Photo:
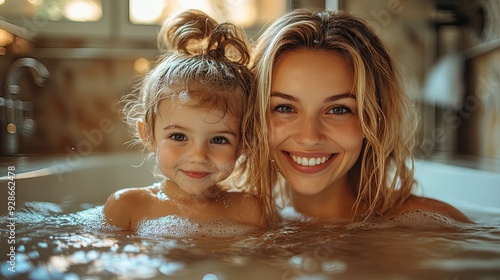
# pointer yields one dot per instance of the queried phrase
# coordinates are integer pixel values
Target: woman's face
(315, 135)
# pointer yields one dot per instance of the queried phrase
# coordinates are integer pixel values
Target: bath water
(53, 244)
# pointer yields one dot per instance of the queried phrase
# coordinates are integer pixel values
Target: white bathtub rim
(62, 165)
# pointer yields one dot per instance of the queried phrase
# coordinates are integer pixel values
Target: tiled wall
(404, 25)
(480, 134)
(78, 110)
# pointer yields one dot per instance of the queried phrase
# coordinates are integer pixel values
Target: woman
(335, 128)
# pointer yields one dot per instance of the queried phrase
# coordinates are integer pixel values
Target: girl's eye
(340, 110)
(220, 140)
(283, 108)
(178, 137)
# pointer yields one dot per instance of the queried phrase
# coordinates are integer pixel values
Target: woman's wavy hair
(200, 56)
(382, 178)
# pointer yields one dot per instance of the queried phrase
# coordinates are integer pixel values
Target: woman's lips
(310, 161)
(309, 164)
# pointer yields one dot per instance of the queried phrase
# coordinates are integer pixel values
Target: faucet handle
(24, 121)
(28, 128)
(13, 89)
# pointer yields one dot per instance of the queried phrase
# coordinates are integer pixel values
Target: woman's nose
(309, 132)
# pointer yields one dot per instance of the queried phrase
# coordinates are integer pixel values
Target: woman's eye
(282, 108)
(178, 137)
(220, 140)
(340, 110)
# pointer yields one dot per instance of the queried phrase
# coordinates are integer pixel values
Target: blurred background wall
(447, 50)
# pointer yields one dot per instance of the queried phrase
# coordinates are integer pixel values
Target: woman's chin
(305, 190)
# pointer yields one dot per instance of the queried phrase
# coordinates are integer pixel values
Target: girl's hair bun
(195, 33)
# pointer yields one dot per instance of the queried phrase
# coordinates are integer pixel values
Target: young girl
(335, 128)
(188, 114)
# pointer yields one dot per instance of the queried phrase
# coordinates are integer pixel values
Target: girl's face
(195, 147)
(315, 135)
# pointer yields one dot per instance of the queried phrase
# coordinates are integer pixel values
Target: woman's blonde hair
(382, 178)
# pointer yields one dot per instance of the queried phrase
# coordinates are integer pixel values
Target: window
(130, 20)
(143, 15)
(245, 12)
(57, 17)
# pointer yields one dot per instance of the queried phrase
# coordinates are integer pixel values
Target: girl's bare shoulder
(434, 205)
(122, 206)
(131, 195)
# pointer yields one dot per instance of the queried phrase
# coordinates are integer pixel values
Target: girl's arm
(119, 207)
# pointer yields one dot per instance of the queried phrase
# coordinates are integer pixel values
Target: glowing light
(6, 38)
(141, 65)
(11, 128)
(81, 10)
(36, 2)
(210, 276)
(243, 12)
(146, 11)
(194, 4)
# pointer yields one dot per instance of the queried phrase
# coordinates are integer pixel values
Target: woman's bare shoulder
(433, 205)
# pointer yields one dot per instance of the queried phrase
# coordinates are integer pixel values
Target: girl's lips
(309, 164)
(196, 174)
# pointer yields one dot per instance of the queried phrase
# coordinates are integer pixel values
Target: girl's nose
(309, 132)
(199, 153)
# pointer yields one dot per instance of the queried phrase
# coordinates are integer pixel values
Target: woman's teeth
(309, 161)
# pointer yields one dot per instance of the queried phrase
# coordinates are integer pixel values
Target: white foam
(119, 193)
(93, 218)
(176, 226)
(34, 212)
(413, 219)
(184, 97)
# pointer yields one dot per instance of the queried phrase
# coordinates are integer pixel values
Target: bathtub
(469, 184)
(74, 179)
(55, 238)
(89, 180)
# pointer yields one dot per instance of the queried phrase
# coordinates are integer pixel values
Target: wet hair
(382, 178)
(201, 57)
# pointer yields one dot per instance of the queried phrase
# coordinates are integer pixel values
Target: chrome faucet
(13, 122)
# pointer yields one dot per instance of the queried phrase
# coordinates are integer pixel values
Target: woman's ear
(146, 140)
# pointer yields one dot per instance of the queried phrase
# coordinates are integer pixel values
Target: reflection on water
(53, 245)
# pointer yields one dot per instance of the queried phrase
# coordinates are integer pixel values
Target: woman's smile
(309, 163)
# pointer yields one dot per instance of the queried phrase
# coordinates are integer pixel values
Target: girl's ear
(146, 141)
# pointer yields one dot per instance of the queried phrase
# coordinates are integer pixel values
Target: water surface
(53, 244)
